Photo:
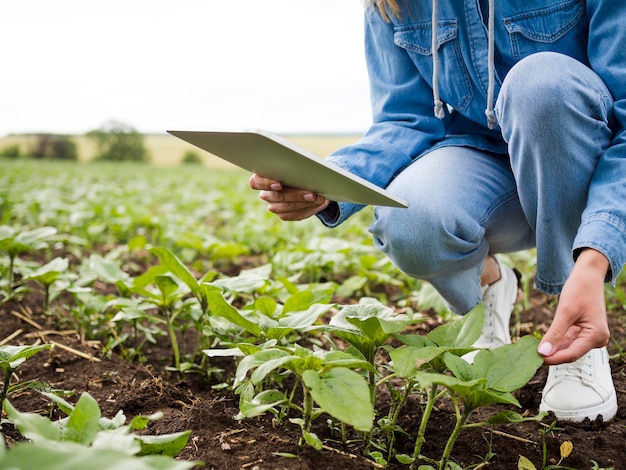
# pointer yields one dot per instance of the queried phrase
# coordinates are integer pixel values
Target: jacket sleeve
(403, 125)
(603, 225)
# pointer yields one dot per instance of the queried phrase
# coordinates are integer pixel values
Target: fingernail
(545, 348)
(309, 197)
(276, 186)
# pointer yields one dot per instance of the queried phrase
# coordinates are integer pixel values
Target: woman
(502, 123)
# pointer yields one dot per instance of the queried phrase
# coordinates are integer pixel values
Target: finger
(552, 339)
(292, 196)
(260, 183)
(298, 211)
(300, 215)
(575, 350)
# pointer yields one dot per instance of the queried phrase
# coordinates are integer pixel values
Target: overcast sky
(68, 66)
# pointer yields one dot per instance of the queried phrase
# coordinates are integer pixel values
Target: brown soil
(222, 442)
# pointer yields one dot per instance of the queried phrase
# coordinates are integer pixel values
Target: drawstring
(439, 112)
(435, 45)
(491, 116)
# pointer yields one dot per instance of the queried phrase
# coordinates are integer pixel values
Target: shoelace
(581, 369)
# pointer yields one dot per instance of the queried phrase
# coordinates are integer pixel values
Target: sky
(287, 66)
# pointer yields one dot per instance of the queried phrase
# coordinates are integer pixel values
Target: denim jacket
(400, 67)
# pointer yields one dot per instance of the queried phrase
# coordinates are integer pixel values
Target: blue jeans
(464, 204)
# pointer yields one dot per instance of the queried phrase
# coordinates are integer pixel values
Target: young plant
(261, 318)
(435, 363)
(15, 243)
(85, 439)
(328, 378)
(47, 275)
(11, 358)
(490, 379)
(144, 326)
(168, 300)
(367, 326)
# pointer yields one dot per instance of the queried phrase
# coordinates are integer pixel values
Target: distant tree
(191, 158)
(54, 146)
(10, 151)
(118, 141)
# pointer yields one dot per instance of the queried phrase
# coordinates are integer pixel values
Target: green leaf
(405, 459)
(303, 300)
(266, 305)
(248, 280)
(219, 307)
(63, 405)
(271, 358)
(49, 272)
(118, 440)
(459, 366)
(407, 360)
(32, 426)
(71, 456)
(302, 319)
(177, 268)
(168, 288)
(140, 422)
(345, 359)
(513, 365)
(461, 333)
(84, 421)
(165, 444)
(105, 269)
(311, 439)
(510, 416)
(343, 394)
(25, 241)
(261, 403)
(524, 464)
(11, 357)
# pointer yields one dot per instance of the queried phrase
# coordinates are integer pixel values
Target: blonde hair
(384, 4)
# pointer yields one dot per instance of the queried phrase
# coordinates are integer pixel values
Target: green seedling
(47, 275)
(367, 327)
(329, 379)
(426, 353)
(11, 358)
(85, 439)
(15, 243)
(488, 380)
(145, 326)
(263, 318)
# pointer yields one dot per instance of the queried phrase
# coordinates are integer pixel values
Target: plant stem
(458, 427)
(46, 302)
(5, 387)
(170, 329)
(11, 276)
(308, 408)
(433, 394)
(394, 418)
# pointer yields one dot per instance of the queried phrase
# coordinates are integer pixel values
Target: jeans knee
(535, 89)
(427, 246)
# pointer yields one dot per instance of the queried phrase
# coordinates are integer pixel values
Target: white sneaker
(498, 301)
(581, 389)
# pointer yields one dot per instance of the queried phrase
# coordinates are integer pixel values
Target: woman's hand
(287, 203)
(580, 322)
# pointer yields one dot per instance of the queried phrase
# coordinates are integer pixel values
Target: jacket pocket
(547, 28)
(454, 80)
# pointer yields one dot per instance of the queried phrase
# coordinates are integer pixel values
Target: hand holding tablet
(273, 157)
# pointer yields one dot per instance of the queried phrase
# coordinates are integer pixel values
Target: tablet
(273, 157)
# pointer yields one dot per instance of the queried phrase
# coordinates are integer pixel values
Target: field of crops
(158, 316)
(165, 150)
